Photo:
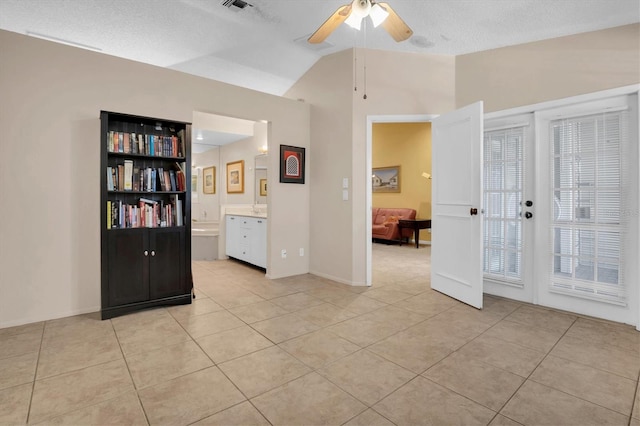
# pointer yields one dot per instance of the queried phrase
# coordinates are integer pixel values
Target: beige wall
(327, 86)
(551, 69)
(49, 165)
(396, 84)
(409, 146)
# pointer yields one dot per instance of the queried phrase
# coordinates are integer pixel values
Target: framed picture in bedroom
(235, 177)
(385, 179)
(291, 164)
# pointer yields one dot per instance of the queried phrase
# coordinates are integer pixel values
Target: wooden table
(416, 225)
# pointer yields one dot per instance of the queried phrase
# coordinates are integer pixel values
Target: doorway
(413, 184)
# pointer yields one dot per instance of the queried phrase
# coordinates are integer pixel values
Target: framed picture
(386, 179)
(235, 177)
(263, 187)
(209, 180)
(196, 175)
(194, 182)
(291, 164)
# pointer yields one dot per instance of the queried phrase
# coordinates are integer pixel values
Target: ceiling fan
(353, 14)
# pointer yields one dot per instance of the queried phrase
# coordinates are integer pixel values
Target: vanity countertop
(249, 214)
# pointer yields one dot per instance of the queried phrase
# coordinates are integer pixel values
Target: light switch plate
(345, 183)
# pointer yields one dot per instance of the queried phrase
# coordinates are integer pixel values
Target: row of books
(155, 145)
(146, 214)
(127, 177)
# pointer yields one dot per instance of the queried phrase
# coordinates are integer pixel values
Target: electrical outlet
(301, 252)
(284, 253)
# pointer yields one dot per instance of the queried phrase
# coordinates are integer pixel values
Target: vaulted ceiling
(263, 45)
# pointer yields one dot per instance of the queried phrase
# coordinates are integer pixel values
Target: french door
(587, 232)
(559, 191)
(559, 187)
(509, 207)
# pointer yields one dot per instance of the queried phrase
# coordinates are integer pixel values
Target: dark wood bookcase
(145, 204)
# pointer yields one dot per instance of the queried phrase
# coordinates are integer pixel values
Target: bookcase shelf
(146, 215)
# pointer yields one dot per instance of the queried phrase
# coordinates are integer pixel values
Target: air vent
(236, 5)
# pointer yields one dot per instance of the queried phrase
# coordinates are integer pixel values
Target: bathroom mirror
(261, 185)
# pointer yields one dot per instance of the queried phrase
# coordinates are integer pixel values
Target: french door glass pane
(587, 199)
(503, 184)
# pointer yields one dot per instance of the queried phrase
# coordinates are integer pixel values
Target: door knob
(146, 253)
(528, 215)
(528, 203)
(473, 211)
(153, 252)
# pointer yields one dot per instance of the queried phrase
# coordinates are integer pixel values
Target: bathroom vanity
(246, 238)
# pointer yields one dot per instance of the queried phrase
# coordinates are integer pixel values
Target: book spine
(109, 179)
(172, 179)
(181, 151)
(109, 214)
(120, 175)
(127, 143)
(152, 150)
(136, 179)
(128, 175)
(110, 141)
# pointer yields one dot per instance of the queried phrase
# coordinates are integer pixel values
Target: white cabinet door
(232, 232)
(259, 243)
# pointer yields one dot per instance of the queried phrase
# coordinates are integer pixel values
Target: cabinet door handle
(146, 253)
(153, 252)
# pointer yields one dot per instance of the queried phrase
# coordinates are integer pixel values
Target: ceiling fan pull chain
(355, 62)
(365, 61)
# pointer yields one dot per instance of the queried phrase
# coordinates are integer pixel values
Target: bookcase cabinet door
(128, 275)
(166, 263)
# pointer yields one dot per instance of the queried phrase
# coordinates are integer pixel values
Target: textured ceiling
(264, 47)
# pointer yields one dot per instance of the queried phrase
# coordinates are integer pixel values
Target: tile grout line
(528, 378)
(220, 369)
(483, 362)
(635, 400)
(135, 387)
(35, 373)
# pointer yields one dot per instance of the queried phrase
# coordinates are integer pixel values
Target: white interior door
(456, 236)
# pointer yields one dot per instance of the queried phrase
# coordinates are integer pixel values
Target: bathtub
(204, 240)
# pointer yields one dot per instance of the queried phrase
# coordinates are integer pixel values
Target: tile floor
(308, 351)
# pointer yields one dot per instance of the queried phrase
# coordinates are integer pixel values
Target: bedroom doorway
(394, 141)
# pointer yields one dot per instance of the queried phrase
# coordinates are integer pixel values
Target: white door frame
(371, 119)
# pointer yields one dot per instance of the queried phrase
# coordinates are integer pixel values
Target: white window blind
(503, 187)
(589, 180)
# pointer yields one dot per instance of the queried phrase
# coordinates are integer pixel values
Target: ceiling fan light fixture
(378, 14)
(354, 21)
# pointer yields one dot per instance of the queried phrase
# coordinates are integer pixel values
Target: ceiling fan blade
(394, 25)
(331, 24)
